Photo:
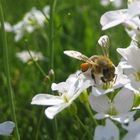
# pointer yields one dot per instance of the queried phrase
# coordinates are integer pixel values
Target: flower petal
(124, 118)
(84, 85)
(60, 87)
(123, 101)
(134, 8)
(6, 128)
(100, 116)
(113, 18)
(107, 132)
(50, 112)
(99, 103)
(47, 99)
(97, 91)
(131, 54)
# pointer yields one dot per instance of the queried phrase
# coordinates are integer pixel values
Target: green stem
(37, 65)
(51, 32)
(91, 114)
(51, 46)
(81, 123)
(39, 123)
(7, 70)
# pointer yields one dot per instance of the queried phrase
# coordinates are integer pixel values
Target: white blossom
(6, 128)
(128, 17)
(131, 55)
(117, 109)
(68, 92)
(115, 3)
(107, 132)
(24, 56)
(31, 21)
(133, 130)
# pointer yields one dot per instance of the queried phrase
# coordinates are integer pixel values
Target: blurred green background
(77, 27)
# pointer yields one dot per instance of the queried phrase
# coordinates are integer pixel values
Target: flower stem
(7, 70)
(51, 46)
(36, 63)
(39, 124)
(91, 114)
(51, 32)
(81, 123)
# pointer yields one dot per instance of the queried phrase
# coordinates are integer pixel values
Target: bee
(99, 64)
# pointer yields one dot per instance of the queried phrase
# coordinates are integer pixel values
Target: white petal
(133, 135)
(100, 104)
(50, 112)
(64, 87)
(134, 8)
(133, 125)
(113, 18)
(123, 101)
(100, 116)
(107, 132)
(60, 87)
(47, 99)
(135, 84)
(6, 128)
(124, 117)
(131, 54)
(97, 91)
(84, 85)
(121, 79)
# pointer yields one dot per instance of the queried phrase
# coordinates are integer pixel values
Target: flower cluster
(113, 89)
(32, 20)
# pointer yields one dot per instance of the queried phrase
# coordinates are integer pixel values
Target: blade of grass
(7, 70)
(51, 47)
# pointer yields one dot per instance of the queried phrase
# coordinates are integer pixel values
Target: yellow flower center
(137, 76)
(130, 1)
(112, 111)
(65, 98)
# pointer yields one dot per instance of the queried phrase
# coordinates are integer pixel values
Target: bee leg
(103, 80)
(93, 77)
(114, 81)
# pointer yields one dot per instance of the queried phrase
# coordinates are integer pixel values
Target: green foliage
(76, 27)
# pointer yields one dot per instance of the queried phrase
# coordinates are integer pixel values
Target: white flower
(8, 27)
(119, 81)
(133, 130)
(132, 27)
(117, 109)
(113, 18)
(68, 90)
(115, 3)
(6, 128)
(24, 56)
(131, 55)
(107, 132)
(31, 21)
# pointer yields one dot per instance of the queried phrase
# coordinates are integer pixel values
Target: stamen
(65, 98)
(112, 111)
(137, 76)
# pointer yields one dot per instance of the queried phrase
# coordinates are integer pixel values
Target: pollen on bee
(85, 66)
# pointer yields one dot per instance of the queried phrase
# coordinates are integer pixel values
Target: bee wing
(78, 55)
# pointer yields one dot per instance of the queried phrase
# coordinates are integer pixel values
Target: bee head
(108, 73)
